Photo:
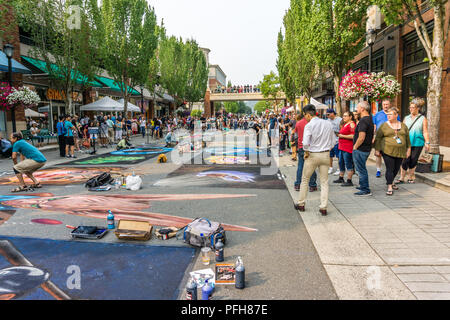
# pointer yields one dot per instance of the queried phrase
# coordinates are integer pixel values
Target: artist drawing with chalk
(32, 160)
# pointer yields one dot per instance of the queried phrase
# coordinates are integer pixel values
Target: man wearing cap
(336, 123)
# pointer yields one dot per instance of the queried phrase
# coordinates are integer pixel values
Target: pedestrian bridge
(243, 96)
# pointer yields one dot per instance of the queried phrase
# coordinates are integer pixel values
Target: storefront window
(414, 85)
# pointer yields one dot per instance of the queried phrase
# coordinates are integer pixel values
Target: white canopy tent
(130, 107)
(104, 104)
(33, 114)
(318, 105)
(44, 108)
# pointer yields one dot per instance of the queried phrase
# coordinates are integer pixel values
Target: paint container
(219, 251)
(207, 290)
(240, 274)
(110, 220)
(206, 255)
(191, 290)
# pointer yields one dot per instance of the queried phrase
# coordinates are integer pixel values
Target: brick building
(398, 51)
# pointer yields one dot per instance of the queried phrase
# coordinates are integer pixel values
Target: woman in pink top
(346, 148)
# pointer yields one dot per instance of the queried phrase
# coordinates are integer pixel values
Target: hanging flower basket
(5, 91)
(24, 97)
(356, 84)
(385, 86)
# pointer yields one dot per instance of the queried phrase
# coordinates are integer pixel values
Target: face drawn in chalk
(227, 160)
(230, 176)
(6, 211)
(61, 176)
(110, 159)
(123, 206)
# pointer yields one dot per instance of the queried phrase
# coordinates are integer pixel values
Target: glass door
(414, 85)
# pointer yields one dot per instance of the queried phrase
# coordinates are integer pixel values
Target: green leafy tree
(335, 34)
(297, 60)
(270, 88)
(231, 107)
(405, 11)
(63, 36)
(197, 73)
(287, 82)
(129, 40)
(261, 106)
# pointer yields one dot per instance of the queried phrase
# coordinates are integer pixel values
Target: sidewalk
(381, 247)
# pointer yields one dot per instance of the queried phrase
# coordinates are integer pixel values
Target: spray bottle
(240, 274)
(110, 220)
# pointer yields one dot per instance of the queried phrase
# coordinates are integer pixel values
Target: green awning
(113, 84)
(80, 78)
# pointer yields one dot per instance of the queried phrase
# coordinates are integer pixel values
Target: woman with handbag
(393, 144)
(418, 134)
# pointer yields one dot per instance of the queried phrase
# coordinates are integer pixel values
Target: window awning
(16, 66)
(78, 76)
(113, 85)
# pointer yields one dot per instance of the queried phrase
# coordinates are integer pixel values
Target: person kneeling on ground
(32, 160)
(124, 143)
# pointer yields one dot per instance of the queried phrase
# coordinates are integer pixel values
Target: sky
(241, 34)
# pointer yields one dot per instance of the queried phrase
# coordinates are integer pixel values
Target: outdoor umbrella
(104, 104)
(130, 107)
(318, 105)
(33, 114)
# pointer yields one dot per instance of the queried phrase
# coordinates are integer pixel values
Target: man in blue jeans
(299, 129)
(362, 145)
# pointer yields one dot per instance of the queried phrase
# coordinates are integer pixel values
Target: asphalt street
(280, 258)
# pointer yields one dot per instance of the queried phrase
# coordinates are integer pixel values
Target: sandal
(394, 187)
(390, 192)
(36, 186)
(20, 189)
(399, 181)
(411, 181)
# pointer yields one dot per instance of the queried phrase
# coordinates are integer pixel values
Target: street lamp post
(370, 37)
(8, 49)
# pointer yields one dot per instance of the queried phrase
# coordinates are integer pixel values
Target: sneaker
(73, 156)
(330, 171)
(363, 193)
(378, 174)
(337, 173)
(347, 184)
(340, 180)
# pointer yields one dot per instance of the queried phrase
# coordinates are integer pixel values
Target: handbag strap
(419, 116)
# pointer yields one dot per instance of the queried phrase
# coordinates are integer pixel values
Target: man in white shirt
(318, 139)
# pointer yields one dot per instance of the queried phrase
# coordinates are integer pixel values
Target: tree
(297, 61)
(62, 32)
(231, 107)
(197, 73)
(129, 40)
(261, 106)
(287, 83)
(173, 67)
(335, 35)
(406, 11)
(270, 87)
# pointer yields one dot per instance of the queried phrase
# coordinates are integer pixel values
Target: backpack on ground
(202, 232)
(100, 180)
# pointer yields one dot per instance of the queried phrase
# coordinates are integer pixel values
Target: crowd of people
(310, 140)
(237, 89)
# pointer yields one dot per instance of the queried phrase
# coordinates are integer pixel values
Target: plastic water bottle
(207, 291)
(219, 251)
(240, 274)
(191, 290)
(110, 220)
